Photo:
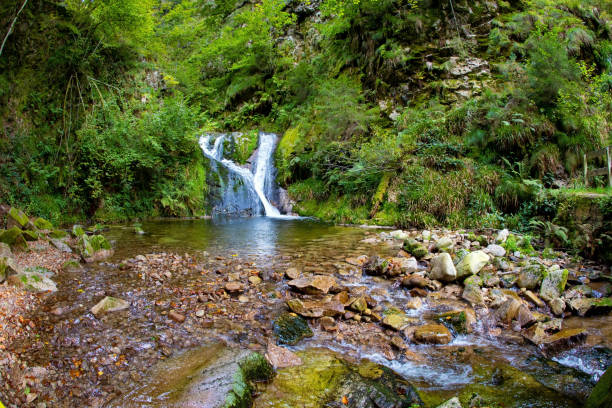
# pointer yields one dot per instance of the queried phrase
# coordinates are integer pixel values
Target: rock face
(325, 379)
(290, 328)
(471, 264)
(314, 285)
(213, 376)
(553, 284)
(109, 304)
(442, 268)
(433, 334)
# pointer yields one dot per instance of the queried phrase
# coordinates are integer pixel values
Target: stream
(93, 361)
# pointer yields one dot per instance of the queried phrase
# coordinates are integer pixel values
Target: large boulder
(212, 376)
(314, 285)
(16, 218)
(553, 283)
(43, 224)
(442, 268)
(94, 248)
(13, 237)
(471, 264)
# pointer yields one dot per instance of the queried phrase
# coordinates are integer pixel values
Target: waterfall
(251, 194)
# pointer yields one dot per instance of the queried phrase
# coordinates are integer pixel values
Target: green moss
(43, 224)
(256, 368)
(455, 321)
(290, 328)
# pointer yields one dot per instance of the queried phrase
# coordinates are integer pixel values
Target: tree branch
(12, 25)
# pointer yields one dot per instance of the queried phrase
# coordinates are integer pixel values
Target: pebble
(199, 313)
(176, 316)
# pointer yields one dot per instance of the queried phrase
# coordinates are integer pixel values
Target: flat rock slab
(33, 281)
(198, 378)
(317, 284)
(280, 357)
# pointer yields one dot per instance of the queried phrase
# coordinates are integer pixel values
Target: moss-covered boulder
(78, 231)
(58, 234)
(94, 248)
(13, 237)
(456, 321)
(43, 224)
(31, 235)
(290, 328)
(16, 218)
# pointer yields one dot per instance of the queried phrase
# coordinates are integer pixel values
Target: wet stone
(433, 334)
(290, 328)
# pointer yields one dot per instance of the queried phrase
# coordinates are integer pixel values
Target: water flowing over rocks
(418, 327)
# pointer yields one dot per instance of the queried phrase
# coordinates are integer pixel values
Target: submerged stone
(316, 308)
(290, 328)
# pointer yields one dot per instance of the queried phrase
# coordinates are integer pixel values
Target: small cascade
(243, 190)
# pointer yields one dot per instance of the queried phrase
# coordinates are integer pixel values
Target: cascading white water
(263, 162)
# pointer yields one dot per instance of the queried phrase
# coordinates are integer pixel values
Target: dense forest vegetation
(398, 112)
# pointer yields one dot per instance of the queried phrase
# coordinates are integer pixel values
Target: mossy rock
(71, 265)
(99, 242)
(326, 380)
(58, 234)
(13, 237)
(17, 218)
(415, 248)
(78, 231)
(43, 224)
(290, 328)
(30, 235)
(455, 321)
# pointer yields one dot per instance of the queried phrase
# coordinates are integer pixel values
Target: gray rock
(33, 281)
(530, 276)
(61, 245)
(502, 236)
(445, 244)
(554, 283)
(557, 305)
(442, 268)
(495, 250)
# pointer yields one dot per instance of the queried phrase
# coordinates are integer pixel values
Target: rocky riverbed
(361, 317)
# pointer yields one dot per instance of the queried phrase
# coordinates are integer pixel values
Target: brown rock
(398, 342)
(176, 316)
(318, 284)
(280, 357)
(508, 310)
(433, 334)
(524, 316)
(534, 298)
(414, 281)
(316, 308)
(359, 261)
(234, 287)
(561, 341)
(293, 273)
(328, 323)
(418, 292)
